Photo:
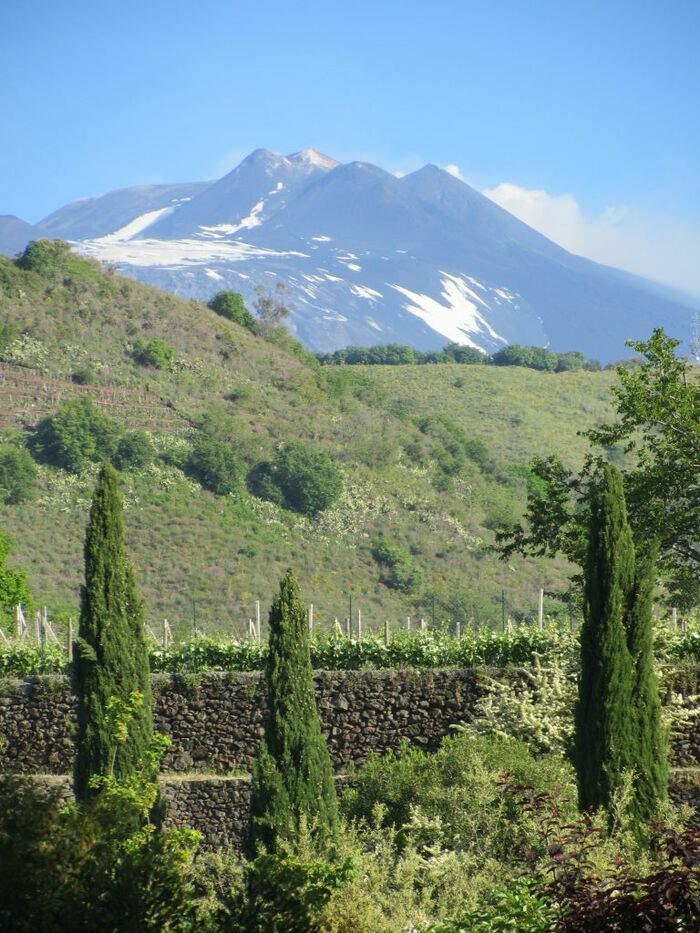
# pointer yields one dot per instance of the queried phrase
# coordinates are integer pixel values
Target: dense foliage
(135, 451)
(111, 659)
(657, 427)
(17, 474)
(299, 477)
(396, 354)
(605, 739)
(78, 434)
(293, 790)
(153, 352)
(214, 464)
(232, 306)
(45, 257)
(398, 569)
(618, 715)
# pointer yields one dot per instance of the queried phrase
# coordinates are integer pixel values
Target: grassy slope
(225, 553)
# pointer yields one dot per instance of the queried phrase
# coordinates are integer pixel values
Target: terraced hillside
(205, 558)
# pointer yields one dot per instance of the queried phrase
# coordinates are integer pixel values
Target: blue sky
(582, 118)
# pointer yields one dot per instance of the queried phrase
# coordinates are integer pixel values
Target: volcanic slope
(205, 559)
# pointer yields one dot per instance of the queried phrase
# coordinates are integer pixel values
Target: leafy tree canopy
(299, 477)
(135, 450)
(45, 257)
(77, 434)
(154, 352)
(657, 427)
(232, 306)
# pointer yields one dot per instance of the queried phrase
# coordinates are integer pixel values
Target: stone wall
(214, 720)
(216, 806)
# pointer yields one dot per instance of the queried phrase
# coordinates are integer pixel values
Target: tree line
(396, 354)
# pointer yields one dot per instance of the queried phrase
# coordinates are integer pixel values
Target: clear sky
(583, 118)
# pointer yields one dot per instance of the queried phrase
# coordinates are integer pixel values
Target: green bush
(522, 905)
(76, 435)
(135, 450)
(214, 464)
(154, 352)
(232, 306)
(288, 892)
(303, 479)
(398, 568)
(456, 793)
(99, 866)
(45, 257)
(17, 474)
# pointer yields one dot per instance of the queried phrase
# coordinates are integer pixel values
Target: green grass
(199, 555)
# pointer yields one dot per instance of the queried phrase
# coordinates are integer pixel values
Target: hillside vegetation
(432, 458)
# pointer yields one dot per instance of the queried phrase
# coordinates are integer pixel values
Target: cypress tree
(651, 777)
(292, 781)
(111, 657)
(605, 724)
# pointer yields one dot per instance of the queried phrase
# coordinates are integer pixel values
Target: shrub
(154, 352)
(539, 710)
(17, 475)
(135, 450)
(571, 361)
(76, 435)
(214, 464)
(232, 306)
(457, 790)
(627, 898)
(522, 905)
(305, 480)
(398, 569)
(100, 864)
(289, 893)
(44, 257)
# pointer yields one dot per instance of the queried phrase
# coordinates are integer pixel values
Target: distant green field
(206, 559)
(519, 413)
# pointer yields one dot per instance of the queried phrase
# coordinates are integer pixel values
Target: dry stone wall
(214, 722)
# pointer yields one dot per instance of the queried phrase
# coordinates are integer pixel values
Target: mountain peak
(313, 157)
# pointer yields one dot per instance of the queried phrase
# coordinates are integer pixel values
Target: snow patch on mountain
(457, 319)
(138, 224)
(178, 253)
(363, 291)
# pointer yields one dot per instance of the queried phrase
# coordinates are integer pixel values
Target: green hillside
(433, 459)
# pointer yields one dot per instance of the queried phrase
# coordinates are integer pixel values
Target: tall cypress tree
(651, 770)
(605, 725)
(111, 657)
(292, 775)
